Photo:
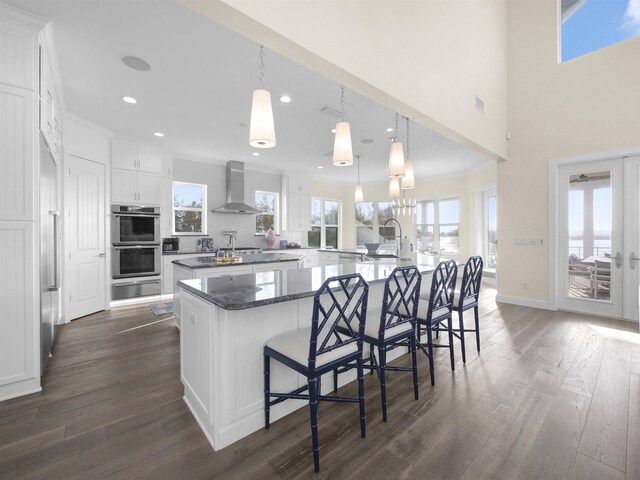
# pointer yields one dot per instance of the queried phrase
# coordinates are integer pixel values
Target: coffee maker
(171, 244)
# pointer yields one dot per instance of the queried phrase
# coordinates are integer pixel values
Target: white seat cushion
(295, 345)
(456, 300)
(372, 326)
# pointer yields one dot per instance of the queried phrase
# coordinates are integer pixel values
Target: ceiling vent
(332, 112)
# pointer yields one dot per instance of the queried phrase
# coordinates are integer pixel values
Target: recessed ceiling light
(136, 63)
(320, 167)
(333, 130)
(158, 134)
(285, 99)
(129, 99)
(389, 129)
(256, 154)
(367, 140)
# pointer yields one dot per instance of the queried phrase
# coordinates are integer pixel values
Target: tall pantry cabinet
(20, 37)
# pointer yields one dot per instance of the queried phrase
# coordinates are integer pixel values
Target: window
(189, 209)
(595, 24)
(267, 203)
(437, 225)
(325, 223)
(370, 218)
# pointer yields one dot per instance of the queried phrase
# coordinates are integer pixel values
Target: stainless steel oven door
(135, 229)
(135, 261)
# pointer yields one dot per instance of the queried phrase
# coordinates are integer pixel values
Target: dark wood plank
(586, 468)
(605, 433)
(553, 451)
(633, 436)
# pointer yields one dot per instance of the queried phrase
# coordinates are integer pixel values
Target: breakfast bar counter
(225, 324)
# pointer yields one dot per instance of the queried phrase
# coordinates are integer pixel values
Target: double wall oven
(136, 250)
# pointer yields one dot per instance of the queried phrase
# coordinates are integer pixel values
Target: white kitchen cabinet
(124, 186)
(149, 188)
(50, 113)
(275, 267)
(135, 174)
(166, 207)
(296, 202)
(19, 209)
(167, 166)
(328, 258)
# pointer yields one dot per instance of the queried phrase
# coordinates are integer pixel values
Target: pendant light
(394, 187)
(342, 149)
(396, 156)
(359, 197)
(408, 181)
(262, 133)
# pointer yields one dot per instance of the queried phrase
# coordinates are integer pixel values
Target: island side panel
(179, 274)
(196, 352)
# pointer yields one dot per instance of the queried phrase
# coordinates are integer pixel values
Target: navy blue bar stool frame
(439, 310)
(467, 299)
(399, 308)
(325, 337)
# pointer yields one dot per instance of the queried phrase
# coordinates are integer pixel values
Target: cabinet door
(166, 207)
(149, 188)
(149, 160)
(167, 166)
(305, 212)
(124, 155)
(124, 186)
(167, 275)
(293, 211)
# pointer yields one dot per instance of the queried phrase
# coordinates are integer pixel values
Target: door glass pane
(590, 229)
(492, 242)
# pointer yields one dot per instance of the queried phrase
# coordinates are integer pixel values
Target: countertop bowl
(372, 248)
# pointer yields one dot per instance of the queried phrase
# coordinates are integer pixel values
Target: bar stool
(467, 298)
(322, 348)
(440, 301)
(397, 325)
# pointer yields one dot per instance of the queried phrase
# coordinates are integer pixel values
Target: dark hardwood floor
(552, 395)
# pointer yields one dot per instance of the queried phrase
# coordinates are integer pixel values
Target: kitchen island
(226, 322)
(200, 267)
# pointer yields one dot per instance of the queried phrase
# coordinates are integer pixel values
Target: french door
(598, 237)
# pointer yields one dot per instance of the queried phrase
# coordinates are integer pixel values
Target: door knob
(632, 260)
(102, 255)
(618, 259)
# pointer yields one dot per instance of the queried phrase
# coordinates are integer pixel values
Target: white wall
(556, 110)
(425, 59)
(214, 176)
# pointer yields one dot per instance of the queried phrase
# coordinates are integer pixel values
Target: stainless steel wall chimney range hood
(235, 191)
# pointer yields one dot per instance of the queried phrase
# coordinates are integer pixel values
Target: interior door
(85, 237)
(598, 213)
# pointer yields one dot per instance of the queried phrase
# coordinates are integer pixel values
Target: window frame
(485, 228)
(323, 224)
(202, 210)
(437, 225)
(276, 212)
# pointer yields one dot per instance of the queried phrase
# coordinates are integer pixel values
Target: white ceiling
(198, 92)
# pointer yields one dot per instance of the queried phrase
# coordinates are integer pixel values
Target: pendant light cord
(407, 138)
(342, 101)
(261, 66)
(358, 157)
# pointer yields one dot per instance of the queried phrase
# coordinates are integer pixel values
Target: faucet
(398, 243)
(232, 240)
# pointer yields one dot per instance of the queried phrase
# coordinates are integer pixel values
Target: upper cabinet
(50, 111)
(136, 174)
(296, 201)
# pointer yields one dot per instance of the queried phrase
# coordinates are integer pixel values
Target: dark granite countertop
(247, 259)
(238, 292)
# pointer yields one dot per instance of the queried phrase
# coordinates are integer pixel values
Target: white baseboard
(20, 389)
(525, 302)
